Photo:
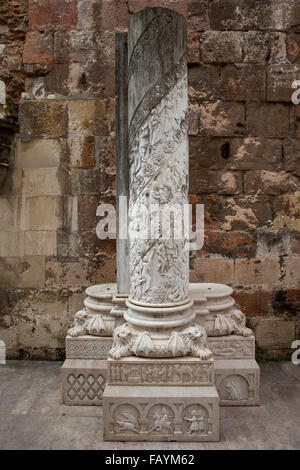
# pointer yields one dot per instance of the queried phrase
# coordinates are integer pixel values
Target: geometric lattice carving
(83, 381)
(85, 387)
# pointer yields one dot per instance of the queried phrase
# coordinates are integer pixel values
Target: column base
(83, 381)
(84, 371)
(160, 400)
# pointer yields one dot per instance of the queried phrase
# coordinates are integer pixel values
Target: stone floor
(33, 417)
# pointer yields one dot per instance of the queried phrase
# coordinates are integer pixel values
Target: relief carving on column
(158, 169)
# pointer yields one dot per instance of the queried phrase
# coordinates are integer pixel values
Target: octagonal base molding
(215, 310)
(95, 318)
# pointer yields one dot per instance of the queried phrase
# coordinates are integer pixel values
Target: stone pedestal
(161, 400)
(87, 346)
(231, 342)
(83, 381)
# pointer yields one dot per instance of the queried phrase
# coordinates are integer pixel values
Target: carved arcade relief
(161, 419)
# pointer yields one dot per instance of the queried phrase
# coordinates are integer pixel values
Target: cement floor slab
(33, 416)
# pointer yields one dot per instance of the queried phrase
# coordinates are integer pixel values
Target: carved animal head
(238, 316)
(81, 317)
(122, 335)
(194, 333)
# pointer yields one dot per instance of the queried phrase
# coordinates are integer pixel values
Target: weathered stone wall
(244, 163)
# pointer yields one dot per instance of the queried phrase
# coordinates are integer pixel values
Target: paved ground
(33, 417)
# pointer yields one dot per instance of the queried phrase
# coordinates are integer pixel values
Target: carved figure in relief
(184, 372)
(162, 421)
(191, 340)
(235, 388)
(232, 323)
(197, 422)
(201, 373)
(196, 338)
(233, 392)
(127, 421)
(88, 324)
(123, 342)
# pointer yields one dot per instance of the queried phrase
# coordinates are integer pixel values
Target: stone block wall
(244, 161)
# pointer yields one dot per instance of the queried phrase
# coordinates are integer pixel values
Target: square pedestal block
(232, 347)
(156, 413)
(237, 381)
(88, 347)
(83, 381)
(177, 371)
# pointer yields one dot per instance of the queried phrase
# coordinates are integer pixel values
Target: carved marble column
(159, 315)
(155, 390)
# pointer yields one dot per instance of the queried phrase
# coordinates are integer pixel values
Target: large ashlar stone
(38, 153)
(83, 381)
(43, 212)
(45, 181)
(237, 381)
(160, 413)
(87, 344)
(28, 271)
(40, 243)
